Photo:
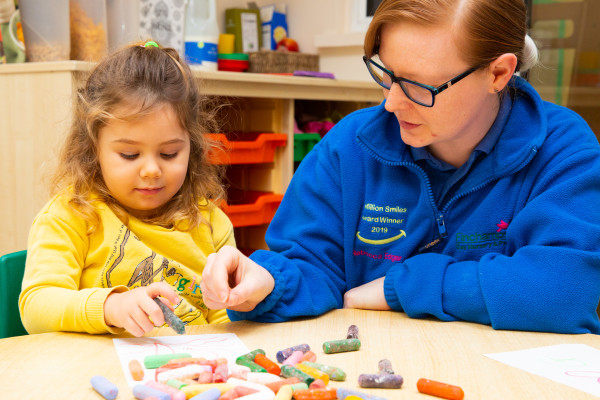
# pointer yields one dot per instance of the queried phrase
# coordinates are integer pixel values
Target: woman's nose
(396, 99)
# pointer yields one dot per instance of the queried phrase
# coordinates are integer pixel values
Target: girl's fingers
(141, 319)
(162, 289)
(132, 327)
(153, 311)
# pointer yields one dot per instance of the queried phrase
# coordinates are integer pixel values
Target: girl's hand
(135, 310)
(231, 280)
(368, 296)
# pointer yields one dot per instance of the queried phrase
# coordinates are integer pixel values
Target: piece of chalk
(335, 374)
(136, 370)
(142, 392)
(383, 381)
(340, 346)
(282, 355)
(343, 394)
(315, 394)
(352, 332)
(385, 366)
(106, 388)
(210, 394)
(158, 360)
(288, 371)
(175, 394)
(440, 389)
(171, 319)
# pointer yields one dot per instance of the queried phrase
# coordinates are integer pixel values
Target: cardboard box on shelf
(274, 25)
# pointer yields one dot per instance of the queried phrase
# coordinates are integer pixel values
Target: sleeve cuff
(94, 309)
(389, 290)
(269, 302)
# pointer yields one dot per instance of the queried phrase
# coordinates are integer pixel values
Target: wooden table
(60, 365)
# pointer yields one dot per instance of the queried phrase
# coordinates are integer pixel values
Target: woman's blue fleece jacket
(516, 247)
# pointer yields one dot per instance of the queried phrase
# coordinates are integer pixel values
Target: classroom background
(287, 71)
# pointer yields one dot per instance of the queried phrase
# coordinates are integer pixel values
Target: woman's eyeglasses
(418, 92)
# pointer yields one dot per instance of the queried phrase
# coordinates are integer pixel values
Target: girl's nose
(396, 99)
(150, 169)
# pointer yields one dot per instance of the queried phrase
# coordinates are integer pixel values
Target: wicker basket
(282, 62)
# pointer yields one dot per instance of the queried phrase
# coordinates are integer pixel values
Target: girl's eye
(168, 156)
(128, 156)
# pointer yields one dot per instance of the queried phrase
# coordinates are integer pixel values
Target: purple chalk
(315, 74)
(142, 392)
(383, 381)
(352, 332)
(106, 388)
(385, 366)
(282, 355)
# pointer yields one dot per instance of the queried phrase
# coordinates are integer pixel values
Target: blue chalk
(210, 394)
(106, 388)
(142, 391)
(282, 355)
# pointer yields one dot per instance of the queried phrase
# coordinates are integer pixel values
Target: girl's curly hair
(126, 85)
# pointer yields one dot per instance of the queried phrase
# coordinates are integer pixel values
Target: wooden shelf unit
(35, 114)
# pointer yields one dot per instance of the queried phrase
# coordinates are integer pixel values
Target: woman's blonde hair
(128, 84)
(488, 28)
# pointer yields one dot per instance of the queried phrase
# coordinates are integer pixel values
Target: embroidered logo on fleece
(502, 225)
(486, 240)
(381, 223)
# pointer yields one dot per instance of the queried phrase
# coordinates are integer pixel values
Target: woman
(462, 196)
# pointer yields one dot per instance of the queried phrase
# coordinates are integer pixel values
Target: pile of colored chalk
(253, 377)
(256, 377)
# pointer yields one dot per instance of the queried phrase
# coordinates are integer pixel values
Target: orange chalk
(136, 370)
(275, 386)
(315, 394)
(267, 364)
(440, 389)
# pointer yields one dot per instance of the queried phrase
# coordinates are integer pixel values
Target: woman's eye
(168, 156)
(128, 156)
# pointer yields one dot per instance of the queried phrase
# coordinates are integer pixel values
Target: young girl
(133, 216)
(462, 196)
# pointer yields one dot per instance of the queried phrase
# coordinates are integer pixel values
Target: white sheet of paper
(210, 346)
(576, 365)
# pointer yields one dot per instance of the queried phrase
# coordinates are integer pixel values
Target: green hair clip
(151, 43)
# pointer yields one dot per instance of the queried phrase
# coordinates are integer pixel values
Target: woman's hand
(135, 310)
(368, 296)
(232, 280)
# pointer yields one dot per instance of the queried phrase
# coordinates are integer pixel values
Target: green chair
(12, 267)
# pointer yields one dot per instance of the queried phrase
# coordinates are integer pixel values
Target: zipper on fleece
(439, 217)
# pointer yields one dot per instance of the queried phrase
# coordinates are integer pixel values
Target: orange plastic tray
(248, 208)
(259, 149)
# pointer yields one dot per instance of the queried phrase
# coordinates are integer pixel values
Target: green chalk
(289, 371)
(340, 346)
(158, 360)
(176, 383)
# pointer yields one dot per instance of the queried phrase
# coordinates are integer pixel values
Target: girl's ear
(501, 70)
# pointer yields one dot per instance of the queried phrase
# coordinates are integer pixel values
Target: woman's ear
(501, 70)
